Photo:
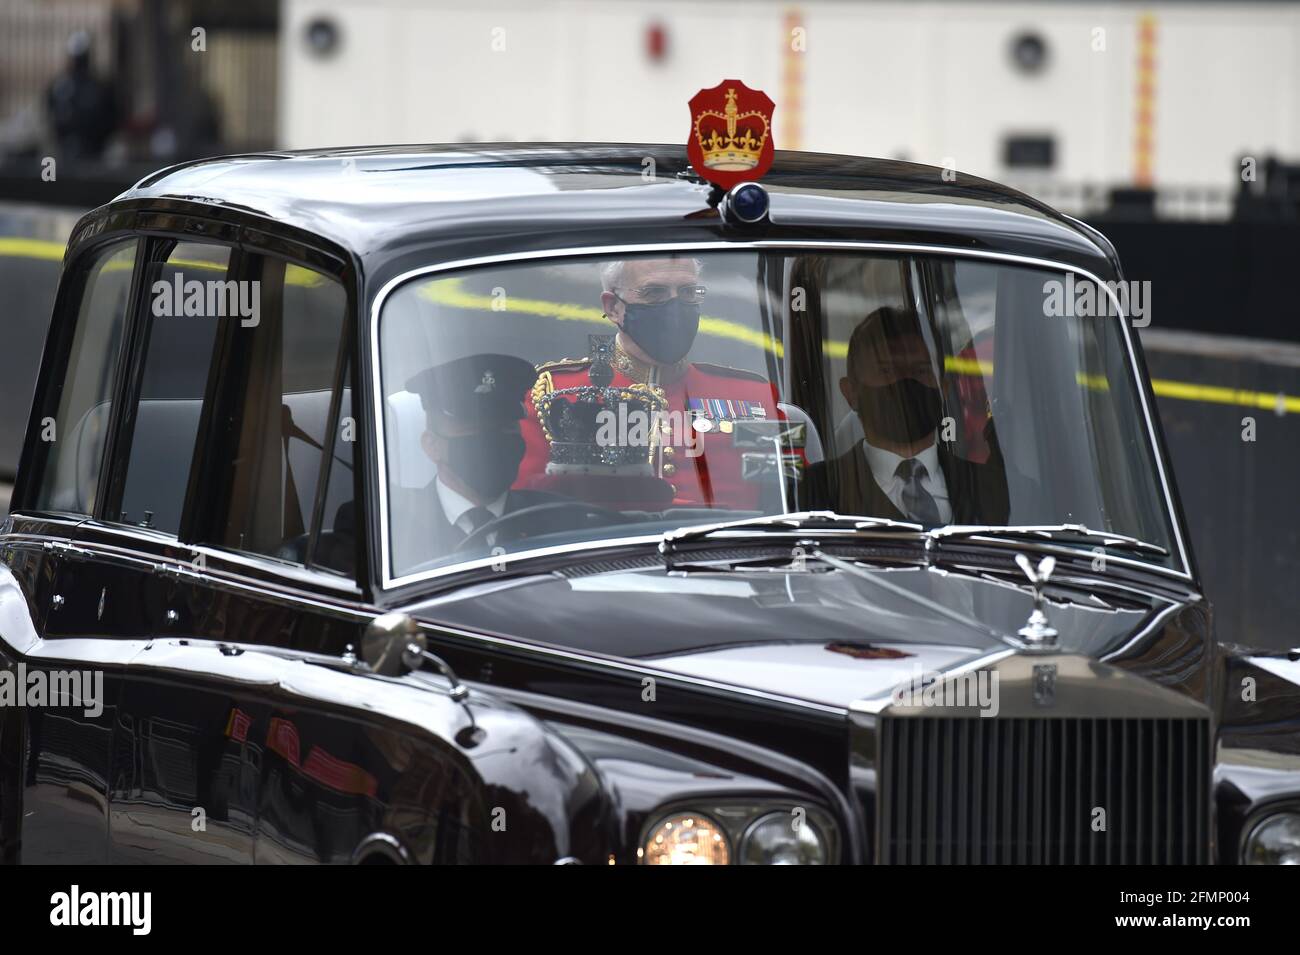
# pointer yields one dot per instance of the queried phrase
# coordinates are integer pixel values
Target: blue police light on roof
(746, 203)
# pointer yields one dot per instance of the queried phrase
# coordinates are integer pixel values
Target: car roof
(400, 204)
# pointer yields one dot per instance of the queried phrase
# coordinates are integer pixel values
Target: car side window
(187, 297)
(75, 437)
(285, 377)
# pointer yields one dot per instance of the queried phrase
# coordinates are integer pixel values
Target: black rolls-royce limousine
(547, 504)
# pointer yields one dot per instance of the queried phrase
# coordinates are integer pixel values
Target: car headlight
(1275, 840)
(687, 838)
(740, 833)
(782, 838)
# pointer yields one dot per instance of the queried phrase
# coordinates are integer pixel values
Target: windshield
(567, 401)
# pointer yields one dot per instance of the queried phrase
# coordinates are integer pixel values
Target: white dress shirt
(456, 506)
(884, 467)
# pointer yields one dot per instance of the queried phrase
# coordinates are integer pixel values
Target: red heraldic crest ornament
(731, 133)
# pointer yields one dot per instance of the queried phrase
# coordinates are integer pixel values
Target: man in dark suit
(903, 469)
(472, 409)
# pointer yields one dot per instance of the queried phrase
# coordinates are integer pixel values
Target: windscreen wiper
(1050, 533)
(759, 528)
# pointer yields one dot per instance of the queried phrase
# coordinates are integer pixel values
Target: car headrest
(408, 465)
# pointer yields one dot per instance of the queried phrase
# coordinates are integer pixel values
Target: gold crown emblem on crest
(731, 140)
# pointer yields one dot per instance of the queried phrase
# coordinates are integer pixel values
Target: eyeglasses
(658, 294)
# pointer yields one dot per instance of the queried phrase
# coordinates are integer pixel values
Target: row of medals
(704, 424)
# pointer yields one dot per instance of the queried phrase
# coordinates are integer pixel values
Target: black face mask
(488, 463)
(903, 411)
(665, 332)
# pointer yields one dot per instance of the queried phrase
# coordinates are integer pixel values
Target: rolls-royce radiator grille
(1043, 791)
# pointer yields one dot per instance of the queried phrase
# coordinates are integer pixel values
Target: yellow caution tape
(32, 249)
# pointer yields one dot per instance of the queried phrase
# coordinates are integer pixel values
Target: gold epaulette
(729, 372)
(563, 364)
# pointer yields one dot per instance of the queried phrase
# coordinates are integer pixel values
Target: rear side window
(187, 297)
(75, 436)
(242, 386)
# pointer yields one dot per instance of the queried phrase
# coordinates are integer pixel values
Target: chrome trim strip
(1142, 389)
(280, 572)
(388, 581)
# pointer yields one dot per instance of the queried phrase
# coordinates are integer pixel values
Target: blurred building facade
(176, 93)
(1064, 98)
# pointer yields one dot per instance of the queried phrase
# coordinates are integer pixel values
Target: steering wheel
(526, 519)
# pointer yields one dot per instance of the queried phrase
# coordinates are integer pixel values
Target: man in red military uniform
(654, 306)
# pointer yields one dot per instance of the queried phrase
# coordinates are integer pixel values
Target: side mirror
(393, 644)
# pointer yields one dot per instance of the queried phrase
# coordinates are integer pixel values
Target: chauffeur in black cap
(472, 409)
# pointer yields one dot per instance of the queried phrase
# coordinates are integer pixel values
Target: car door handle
(67, 550)
(177, 572)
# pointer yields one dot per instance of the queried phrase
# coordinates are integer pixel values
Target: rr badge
(1045, 684)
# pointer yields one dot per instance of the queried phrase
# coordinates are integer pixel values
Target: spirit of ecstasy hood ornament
(1038, 633)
